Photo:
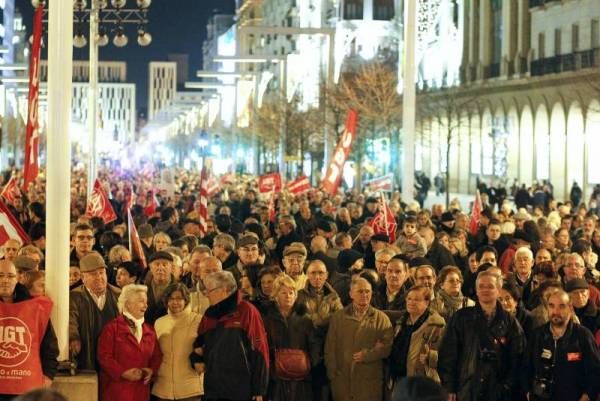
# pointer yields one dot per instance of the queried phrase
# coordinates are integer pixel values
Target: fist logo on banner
(15, 342)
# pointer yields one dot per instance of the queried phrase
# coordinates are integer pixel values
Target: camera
(543, 384)
(487, 355)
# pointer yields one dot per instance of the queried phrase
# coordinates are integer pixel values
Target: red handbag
(292, 364)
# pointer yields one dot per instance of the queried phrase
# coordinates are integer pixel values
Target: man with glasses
(17, 306)
(294, 257)
(575, 268)
(248, 254)
(231, 348)
(83, 240)
(382, 258)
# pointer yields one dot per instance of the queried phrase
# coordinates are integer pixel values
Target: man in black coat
(562, 361)
(481, 351)
(437, 254)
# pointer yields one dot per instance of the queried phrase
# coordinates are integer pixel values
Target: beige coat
(176, 334)
(357, 381)
(430, 333)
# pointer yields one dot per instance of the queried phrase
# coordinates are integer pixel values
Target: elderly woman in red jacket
(128, 351)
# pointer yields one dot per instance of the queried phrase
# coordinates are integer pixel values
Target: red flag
(135, 245)
(99, 205)
(334, 172)
(272, 206)
(383, 183)
(475, 214)
(203, 201)
(10, 227)
(384, 221)
(269, 182)
(31, 168)
(129, 201)
(151, 205)
(299, 186)
(11, 191)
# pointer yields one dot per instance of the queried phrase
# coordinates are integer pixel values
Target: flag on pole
(269, 182)
(151, 205)
(383, 183)
(135, 244)
(299, 186)
(99, 205)
(384, 221)
(475, 215)
(203, 201)
(10, 227)
(11, 191)
(30, 165)
(332, 179)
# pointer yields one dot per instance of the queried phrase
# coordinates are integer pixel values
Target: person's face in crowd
(543, 255)
(11, 247)
(493, 232)
(416, 303)
(519, 223)
(559, 309)
(596, 238)
(487, 290)
(286, 297)
(488, 257)
(573, 268)
(248, 254)
(266, 284)
(523, 264)
(195, 260)
(160, 242)
(208, 266)
(317, 275)
(452, 284)
(444, 240)
(210, 226)
(176, 302)
(361, 294)
(285, 228)
(294, 264)
(455, 245)
(579, 298)
(120, 229)
(137, 305)
(396, 274)
(409, 229)
(95, 281)
(343, 214)
(74, 274)
(184, 250)
(161, 270)
(215, 294)
(124, 278)
(426, 277)
(356, 212)
(381, 264)
(422, 220)
(473, 264)
(218, 250)
(305, 211)
(507, 302)
(365, 234)
(246, 287)
(347, 242)
(588, 227)
(84, 241)
(38, 287)
(8, 278)
(562, 238)
(191, 229)
(548, 242)
(378, 245)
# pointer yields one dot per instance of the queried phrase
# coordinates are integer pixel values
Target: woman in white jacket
(176, 332)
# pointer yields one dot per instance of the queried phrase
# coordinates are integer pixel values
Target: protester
(128, 352)
(450, 298)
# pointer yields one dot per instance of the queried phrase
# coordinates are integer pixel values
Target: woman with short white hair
(128, 351)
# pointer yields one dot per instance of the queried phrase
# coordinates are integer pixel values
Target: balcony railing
(539, 3)
(566, 62)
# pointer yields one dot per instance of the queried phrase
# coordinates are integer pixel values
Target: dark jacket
(49, 346)
(439, 256)
(233, 339)
(86, 322)
(331, 264)
(574, 356)
(284, 241)
(156, 306)
(589, 316)
(479, 360)
(230, 261)
(297, 332)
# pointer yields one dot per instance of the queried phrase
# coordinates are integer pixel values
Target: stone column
(58, 166)
(485, 42)
(409, 100)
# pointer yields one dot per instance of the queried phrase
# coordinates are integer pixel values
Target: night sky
(177, 26)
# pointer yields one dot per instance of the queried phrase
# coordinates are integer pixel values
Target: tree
(446, 106)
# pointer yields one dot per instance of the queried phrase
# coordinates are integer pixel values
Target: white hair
(128, 292)
(524, 251)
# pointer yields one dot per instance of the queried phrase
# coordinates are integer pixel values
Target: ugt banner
(269, 182)
(334, 173)
(22, 328)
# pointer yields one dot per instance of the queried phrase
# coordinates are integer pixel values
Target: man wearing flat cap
(294, 257)
(91, 306)
(157, 281)
(24, 265)
(587, 313)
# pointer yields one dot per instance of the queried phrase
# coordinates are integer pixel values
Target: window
(497, 31)
(595, 34)
(557, 42)
(353, 9)
(574, 38)
(383, 10)
(541, 46)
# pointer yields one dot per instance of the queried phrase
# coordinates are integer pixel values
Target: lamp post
(409, 100)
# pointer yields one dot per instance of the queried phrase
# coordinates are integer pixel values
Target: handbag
(292, 363)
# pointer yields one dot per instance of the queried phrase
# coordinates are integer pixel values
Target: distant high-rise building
(183, 66)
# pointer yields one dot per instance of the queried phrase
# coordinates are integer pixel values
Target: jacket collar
(225, 307)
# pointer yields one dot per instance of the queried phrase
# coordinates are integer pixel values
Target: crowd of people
(303, 298)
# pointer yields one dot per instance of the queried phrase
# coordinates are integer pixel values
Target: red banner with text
(333, 177)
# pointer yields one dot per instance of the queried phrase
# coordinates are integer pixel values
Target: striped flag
(10, 227)
(135, 245)
(11, 191)
(203, 201)
(299, 186)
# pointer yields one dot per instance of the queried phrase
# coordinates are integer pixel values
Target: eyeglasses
(212, 290)
(85, 237)
(297, 259)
